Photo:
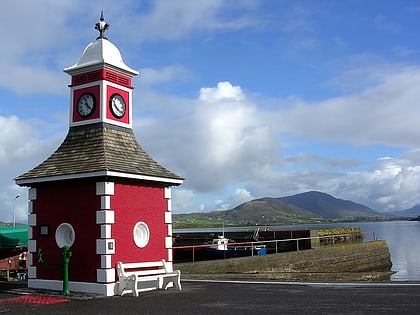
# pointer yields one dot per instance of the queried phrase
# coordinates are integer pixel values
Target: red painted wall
(75, 203)
(133, 204)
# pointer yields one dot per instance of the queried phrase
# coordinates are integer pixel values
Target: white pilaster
(105, 217)
(104, 188)
(168, 217)
(105, 275)
(105, 246)
(32, 195)
(168, 193)
(32, 272)
(106, 261)
(32, 219)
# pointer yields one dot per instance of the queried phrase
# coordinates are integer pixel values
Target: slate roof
(98, 147)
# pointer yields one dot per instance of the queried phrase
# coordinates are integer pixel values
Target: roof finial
(101, 26)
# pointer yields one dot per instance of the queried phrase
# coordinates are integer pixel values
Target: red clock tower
(99, 193)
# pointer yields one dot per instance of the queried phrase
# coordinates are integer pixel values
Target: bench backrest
(141, 269)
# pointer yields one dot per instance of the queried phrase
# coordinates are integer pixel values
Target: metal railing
(330, 240)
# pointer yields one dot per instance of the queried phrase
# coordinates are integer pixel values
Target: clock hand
(89, 104)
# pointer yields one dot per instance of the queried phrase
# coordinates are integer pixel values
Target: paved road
(242, 298)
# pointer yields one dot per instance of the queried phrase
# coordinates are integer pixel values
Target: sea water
(402, 237)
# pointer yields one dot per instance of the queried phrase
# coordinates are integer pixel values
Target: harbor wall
(363, 261)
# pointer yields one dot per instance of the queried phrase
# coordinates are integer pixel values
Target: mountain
(413, 211)
(307, 206)
(258, 211)
(267, 207)
(325, 205)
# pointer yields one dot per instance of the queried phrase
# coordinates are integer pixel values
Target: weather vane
(101, 26)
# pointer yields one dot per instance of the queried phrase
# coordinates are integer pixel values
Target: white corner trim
(32, 193)
(168, 217)
(105, 246)
(170, 256)
(105, 275)
(106, 261)
(170, 230)
(105, 188)
(170, 266)
(32, 272)
(32, 219)
(105, 202)
(32, 246)
(168, 192)
(105, 217)
(30, 206)
(30, 232)
(30, 259)
(169, 204)
(168, 242)
(106, 231)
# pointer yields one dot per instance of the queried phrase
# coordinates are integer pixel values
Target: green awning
(13, 236)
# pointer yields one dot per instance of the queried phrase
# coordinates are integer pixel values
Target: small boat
(221, 248)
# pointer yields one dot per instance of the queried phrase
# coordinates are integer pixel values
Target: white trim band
(98, 174)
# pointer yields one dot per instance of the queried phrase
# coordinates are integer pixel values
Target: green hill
(310, 207)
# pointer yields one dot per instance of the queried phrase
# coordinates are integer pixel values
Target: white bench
(144, 276)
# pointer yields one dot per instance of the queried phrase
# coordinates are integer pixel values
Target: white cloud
(151, 76)
(223, 138)
(384, 114)
(223, 91)
(20, 150)
(44, 37)
(182, 199)
(237, 197)
(170, 20)
(227, 141)
(41, 38)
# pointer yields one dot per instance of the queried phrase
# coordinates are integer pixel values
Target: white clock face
(117, 105)
(86, 104)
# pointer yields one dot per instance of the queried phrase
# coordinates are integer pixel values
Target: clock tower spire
(101, 26)
(100, 89)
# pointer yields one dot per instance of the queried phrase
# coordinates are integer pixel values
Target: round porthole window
(141, 234)
(64, 235)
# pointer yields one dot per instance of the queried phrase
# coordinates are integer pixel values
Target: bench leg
(134, 289)
(165, 281)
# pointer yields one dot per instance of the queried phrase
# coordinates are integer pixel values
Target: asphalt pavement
(228, 297)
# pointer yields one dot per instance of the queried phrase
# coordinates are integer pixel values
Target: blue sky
(245, 99)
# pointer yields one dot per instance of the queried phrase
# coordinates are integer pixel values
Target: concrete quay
(348, 262)
(235, 297)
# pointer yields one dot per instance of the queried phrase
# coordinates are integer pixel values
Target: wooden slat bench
(144, 276)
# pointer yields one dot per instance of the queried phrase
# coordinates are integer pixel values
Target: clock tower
(101, 89)
(99, 193)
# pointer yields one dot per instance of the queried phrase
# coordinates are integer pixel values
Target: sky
(244, 99)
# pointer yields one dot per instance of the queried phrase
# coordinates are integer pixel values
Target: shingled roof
(99, 149)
